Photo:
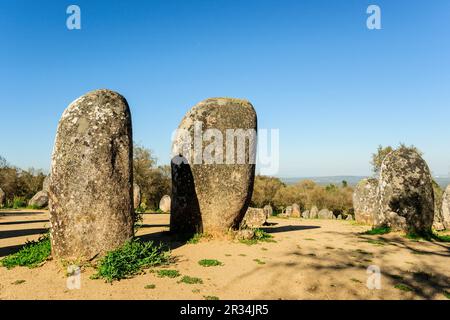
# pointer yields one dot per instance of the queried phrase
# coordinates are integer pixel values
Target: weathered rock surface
(296, 212)
(254, 218)
(39, 200)
(325, 214)
(136, 195)
(212, 185)
(164, 203)
(405, 193)
(349, 217)
(244, 234)
(314, 213)
(445, 208)
(288, 211)
(46, 183)
(268, 210)
(91, 181)
(339, 217)
(2, 198)
(365, 201)
(305, 214)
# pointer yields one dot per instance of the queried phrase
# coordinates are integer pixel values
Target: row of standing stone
(90, 189)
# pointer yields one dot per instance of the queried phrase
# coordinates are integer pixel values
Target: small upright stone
(365, 201)
(2, 198)
(314, 213)
(164, 203)
(268, 210)
(136, 196)
(288, 211)
(445, 208)
(254, 218)
(305, 214)
(213, 168)
(296, 213)
(91, 181)
(405, 192)
(39, 200)
(325, 214)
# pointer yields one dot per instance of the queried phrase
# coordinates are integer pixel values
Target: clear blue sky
(311, 68)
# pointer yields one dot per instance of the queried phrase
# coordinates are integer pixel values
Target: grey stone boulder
(325, 214)
(244, 234)
(288, 211)
(349, 217)
(314, 213)
(305, 214)
(46, 183)
(91, 180)
(212, 182)
(136, 195)
(405, 193)
(164, 203)
(254, 218)
(296, 212)
(365, 201)
(445, 208)
(268, 210)
(339, 217)
(39, 200)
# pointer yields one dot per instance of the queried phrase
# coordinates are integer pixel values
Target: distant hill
(351, 180)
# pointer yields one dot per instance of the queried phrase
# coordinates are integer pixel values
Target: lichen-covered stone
(438, 220)
(46, 183)
(288, 211)
(405, 198)
(268, 210)
(365, 201)
(305, 214)
(445, 208)
(212, 194)
(91, 181)
(2, 198)
(164, 203)
(254, 218)
(296, 213)
(39, 200)
(325, 214)
(136, 195)
(314, 213)
(244, 234)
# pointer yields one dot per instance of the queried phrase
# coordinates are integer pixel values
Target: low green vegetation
(403, 287)
(210, 263)
(197, 237)
(260, 236)
(428, 236)
(150, 286)
(31, 255)
(211, 298)
(190, 280)
(355, 280)
(379, 230)
(446, 294)
(165, 273)
(130, 259)
(259, 261)
(17, 282)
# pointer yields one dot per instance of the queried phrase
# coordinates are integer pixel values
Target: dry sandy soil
(311, 259)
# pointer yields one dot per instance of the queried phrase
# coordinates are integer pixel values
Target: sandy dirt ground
(311, 259)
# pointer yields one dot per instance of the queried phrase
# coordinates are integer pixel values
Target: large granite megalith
(405, 197)
(91, 181)
(213, 168)
(365, 201)
(445, 208)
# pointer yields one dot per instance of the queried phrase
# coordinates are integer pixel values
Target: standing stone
(2, 198)
(325, 214)
(445, 208)
(39, 200)
(91, 182)
(349, 217)
(288, 211)
(305, 214)
(268, 210)
(296, 213)
(254, 218)
(164, 203)
(212, 175)
(365, 201)
(438, 220)
(136, 195)
(314, 213)
(339, 217)
(405, 193)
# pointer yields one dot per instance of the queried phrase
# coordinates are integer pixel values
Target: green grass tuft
(446, 294)
(260, 236)
(17, 282)
(211, 298)
(380, 230)
(130, 259)
(259, 261)
(190, 280)
(428, 236)
(150, 286)
(403, 287)
(210, 263)
(164, 273)
(31, 255)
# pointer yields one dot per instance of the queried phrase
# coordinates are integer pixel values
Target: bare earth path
(311, 259)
